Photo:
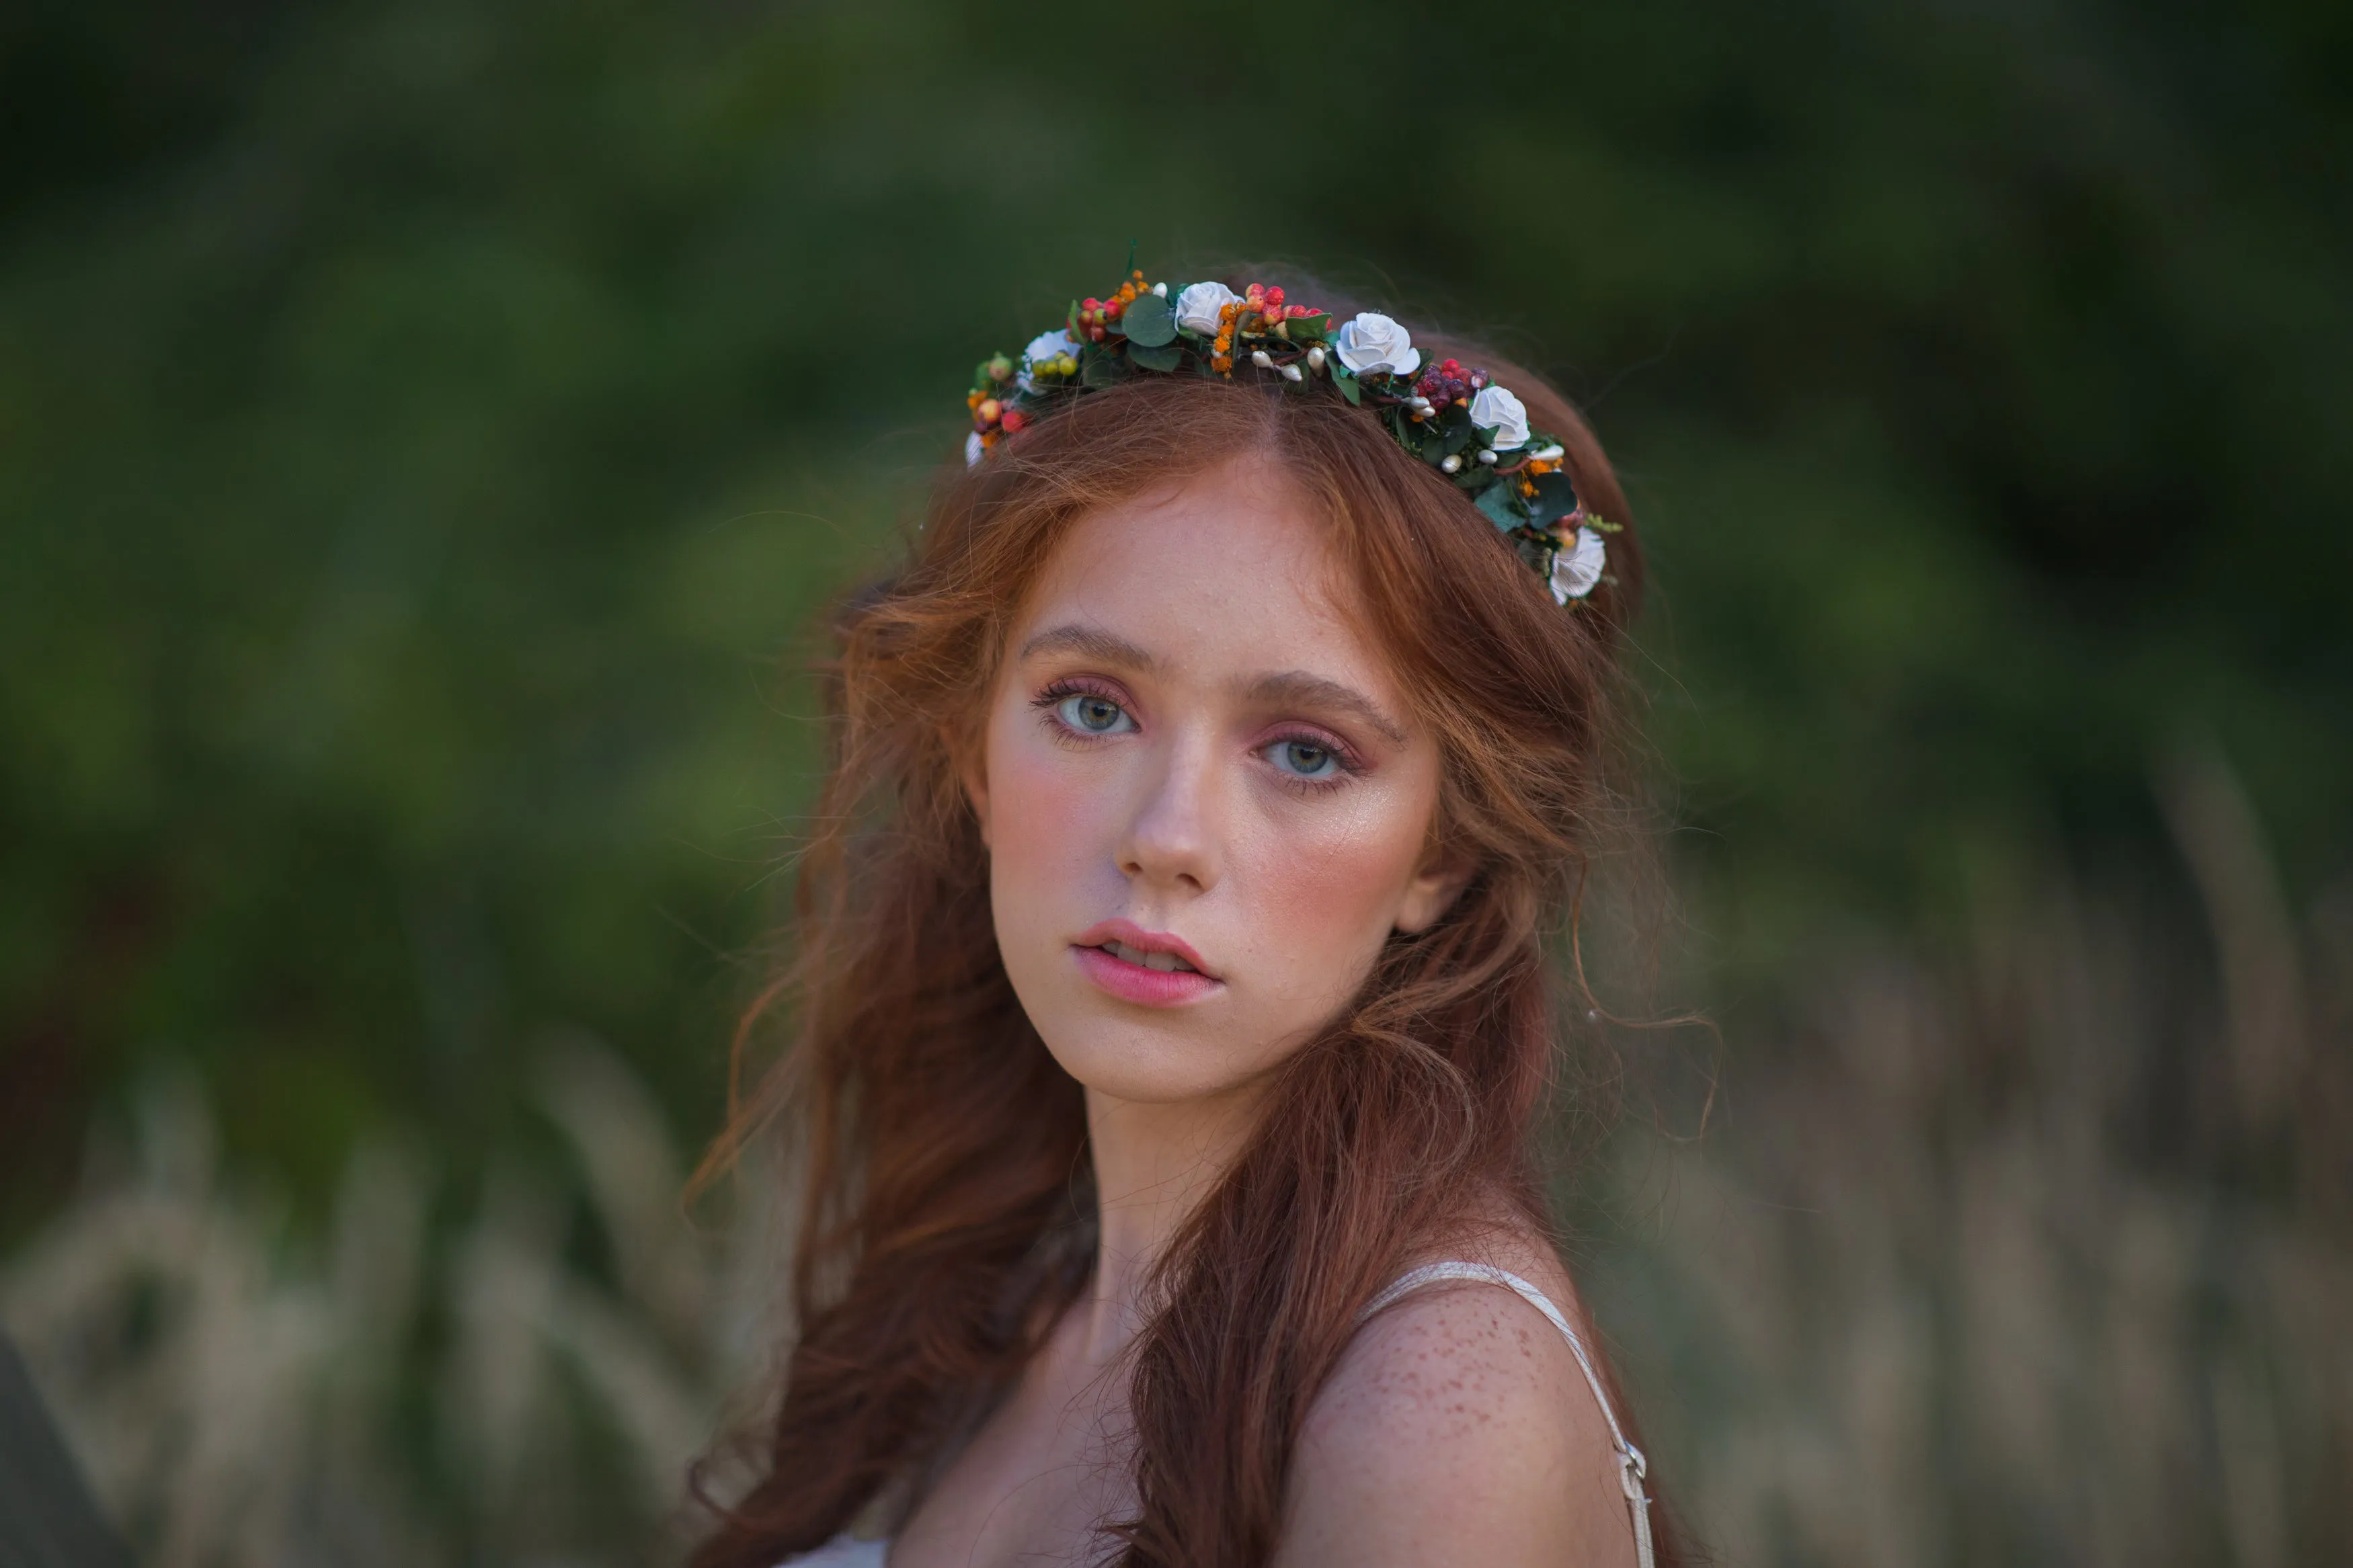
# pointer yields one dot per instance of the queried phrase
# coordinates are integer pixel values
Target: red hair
(946, 1212)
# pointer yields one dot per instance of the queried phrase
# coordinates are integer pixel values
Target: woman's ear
(1432, 891)
(972, 772)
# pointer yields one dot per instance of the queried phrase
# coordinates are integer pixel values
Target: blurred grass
(2036, 1252)
(426, 432)
(1922, 1296)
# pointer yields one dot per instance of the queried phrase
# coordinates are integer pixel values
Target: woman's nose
(1172, 839)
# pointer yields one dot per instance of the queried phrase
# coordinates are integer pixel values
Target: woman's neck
(1154, 1165)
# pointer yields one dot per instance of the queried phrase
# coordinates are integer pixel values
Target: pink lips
(1133, 982)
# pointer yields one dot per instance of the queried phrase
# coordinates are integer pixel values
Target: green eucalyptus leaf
(1154, 356)
(1312, 329)
(1501, 502)
(1407, 433)
(1457, 433)
(1102, 370)
(1556, 498)
(1148, 320)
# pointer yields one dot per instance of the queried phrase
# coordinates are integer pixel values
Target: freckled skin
(1458, 1429)
(1207, 623)
(1182, 824)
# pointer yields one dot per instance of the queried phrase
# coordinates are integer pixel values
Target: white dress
(842, 1552)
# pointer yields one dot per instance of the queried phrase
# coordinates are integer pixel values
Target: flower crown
(1453, 417)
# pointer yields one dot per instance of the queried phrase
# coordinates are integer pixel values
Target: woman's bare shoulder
(1459, 1427)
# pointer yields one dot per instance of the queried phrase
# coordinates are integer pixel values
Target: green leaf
(1409, 433)
(1102, 370)
(1154, 356)
(1346, 382)
(1148, 322)
(1556, 498)
(1501, 502)
(1460, 433)
(1312, 329)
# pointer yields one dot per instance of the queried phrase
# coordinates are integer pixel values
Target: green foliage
(1501, 507)
(1163, 357)
(1149, 322)
(427, 428)
(431, 429)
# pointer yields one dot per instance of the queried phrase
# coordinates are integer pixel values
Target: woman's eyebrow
(1296, 688)
(1091, 642)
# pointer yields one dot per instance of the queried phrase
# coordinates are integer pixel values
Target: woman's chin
(1147, 1062)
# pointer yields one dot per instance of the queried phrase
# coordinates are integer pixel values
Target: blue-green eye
(1092, 715)
(1305, 758)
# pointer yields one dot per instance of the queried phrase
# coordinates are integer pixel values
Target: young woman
(1175, 965)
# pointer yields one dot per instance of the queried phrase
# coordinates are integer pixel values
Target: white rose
(1577, 568)
(1198, 305)
(972, 448)
(1373, 343)
(1500, 411)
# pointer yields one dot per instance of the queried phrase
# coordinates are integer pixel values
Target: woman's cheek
(1328, 889)
(1040, 810)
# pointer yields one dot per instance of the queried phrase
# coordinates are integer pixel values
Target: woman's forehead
(1229, 570)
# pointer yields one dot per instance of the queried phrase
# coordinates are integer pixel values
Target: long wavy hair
(946, 1204)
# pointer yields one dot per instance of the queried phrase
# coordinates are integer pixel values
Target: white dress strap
(1633, 1468)
(842, 1552)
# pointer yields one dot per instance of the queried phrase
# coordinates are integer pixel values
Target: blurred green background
(427, 430)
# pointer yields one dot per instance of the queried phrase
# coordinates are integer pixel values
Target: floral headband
(1453, 417)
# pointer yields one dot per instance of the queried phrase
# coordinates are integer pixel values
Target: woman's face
(1194, 758)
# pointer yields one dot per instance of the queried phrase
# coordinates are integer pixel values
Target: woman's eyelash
(1056, 692)
(1049, 702)
(1072, 687)
(1321, 741)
